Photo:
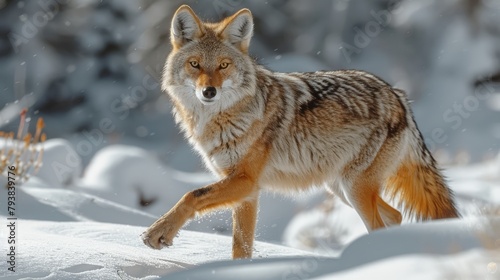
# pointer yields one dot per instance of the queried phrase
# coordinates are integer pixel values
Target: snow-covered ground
(86, 225)
(100, 250)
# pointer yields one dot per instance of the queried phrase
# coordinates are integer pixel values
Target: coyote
(257, 129)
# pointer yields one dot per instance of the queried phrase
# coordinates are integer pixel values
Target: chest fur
(224, 139)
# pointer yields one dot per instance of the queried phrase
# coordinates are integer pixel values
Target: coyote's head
(209, 62)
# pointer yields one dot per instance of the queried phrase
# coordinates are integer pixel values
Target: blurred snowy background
(91, 68)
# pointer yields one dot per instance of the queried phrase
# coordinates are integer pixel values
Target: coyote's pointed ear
(238, 29)
(186, 26)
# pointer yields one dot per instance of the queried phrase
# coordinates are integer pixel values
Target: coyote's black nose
(209, 92)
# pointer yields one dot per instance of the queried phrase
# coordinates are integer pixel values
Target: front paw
(158, 235)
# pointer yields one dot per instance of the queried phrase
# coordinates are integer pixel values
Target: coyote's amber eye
(224, 65)
(194, 64)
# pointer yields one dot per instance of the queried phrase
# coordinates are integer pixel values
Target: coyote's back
(256, 129)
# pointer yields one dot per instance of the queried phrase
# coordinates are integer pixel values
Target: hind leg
(364, 176)
(389, 215)
(372, 209)
(363, 196)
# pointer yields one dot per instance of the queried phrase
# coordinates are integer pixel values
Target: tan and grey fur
(347, 130)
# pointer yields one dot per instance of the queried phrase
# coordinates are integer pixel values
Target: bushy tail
(422, 191)
(417, 182)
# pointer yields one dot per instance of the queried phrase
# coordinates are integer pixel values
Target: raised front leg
(239, 188)
(228, 192)
(244, 220)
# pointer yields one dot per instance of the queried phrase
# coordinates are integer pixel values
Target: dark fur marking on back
(318, 94)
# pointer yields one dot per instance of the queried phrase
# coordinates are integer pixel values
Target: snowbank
(448, 247)
(90, 250)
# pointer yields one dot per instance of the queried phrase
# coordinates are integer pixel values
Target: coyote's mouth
(206, 101)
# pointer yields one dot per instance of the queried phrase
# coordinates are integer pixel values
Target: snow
(89, 229)
(472, 264)
(62, 165)
(92, 250)
(326, 229)
(443, 248)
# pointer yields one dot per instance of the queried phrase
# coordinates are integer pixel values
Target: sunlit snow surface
(93, 250)
(88, 227)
